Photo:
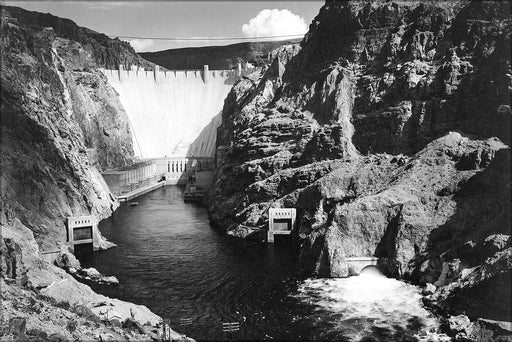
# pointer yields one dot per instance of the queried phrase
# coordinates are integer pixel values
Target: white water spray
(371, 306)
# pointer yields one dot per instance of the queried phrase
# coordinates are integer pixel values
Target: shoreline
(44, 301)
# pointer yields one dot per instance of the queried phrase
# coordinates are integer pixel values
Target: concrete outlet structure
(280, 222)
(82, 230)
(357, 264)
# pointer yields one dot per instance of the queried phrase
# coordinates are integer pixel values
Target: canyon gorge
(387, 128)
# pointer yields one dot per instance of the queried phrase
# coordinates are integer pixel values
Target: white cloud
(275, 23)
(140, 45)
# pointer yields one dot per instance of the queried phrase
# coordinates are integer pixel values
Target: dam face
(173, 113)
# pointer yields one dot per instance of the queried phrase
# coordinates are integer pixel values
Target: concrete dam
(173, 114)
(173, 117)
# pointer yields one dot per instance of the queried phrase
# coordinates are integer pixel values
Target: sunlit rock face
(388, 129)
(56, 104)
(173, 113)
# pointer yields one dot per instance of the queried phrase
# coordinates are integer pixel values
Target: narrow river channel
(169, 259)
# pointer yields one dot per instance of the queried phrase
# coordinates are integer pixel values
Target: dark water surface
(169, 259)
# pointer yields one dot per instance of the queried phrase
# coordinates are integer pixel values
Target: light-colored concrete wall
(173, 113)
(357, 264)
(178, 170)
(77, 222)
(280, 214)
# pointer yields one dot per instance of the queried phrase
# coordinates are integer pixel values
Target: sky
(176, 19)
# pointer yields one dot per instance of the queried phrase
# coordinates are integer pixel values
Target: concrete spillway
(173, 113)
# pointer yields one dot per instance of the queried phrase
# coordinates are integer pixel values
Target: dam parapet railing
(158, 75)
(177, 170)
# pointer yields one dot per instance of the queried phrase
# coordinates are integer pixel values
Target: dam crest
(135, 74)
(173, 117)
(173, 114)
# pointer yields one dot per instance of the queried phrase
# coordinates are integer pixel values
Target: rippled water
(169, 259)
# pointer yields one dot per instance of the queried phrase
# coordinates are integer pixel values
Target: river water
(169, 259)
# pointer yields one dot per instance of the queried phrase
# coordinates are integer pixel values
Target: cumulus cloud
(275, 23)
(140, 45)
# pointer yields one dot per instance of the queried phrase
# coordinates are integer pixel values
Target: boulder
(459, 323)
(91, 273)
(495, 243)
(110, 280)
(56, 337)
(38, 333)
(67, 260)
(428, 289)
(482, 330)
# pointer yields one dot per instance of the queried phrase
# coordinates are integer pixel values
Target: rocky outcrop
(388, 129)
(462, 329)
(106, 52)
(55, 106)
(400, 212)
(94, 105)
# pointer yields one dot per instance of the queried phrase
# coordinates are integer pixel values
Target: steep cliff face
(106, 52)
(55, 105)
(94, 104)
(388, 129)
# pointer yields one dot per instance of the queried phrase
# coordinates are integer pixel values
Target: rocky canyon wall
(172, 113)
(55, 105)
(388, 128)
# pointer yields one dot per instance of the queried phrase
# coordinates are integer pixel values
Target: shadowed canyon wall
(172, 113)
